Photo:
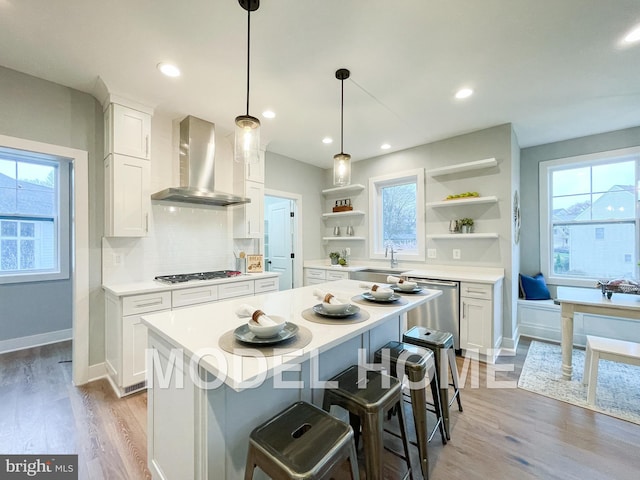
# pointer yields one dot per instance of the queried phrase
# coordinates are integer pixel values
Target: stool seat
(367, 395)
(301, 442)
(441, 343)
(419, 366)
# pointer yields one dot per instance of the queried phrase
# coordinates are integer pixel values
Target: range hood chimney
(197, 172)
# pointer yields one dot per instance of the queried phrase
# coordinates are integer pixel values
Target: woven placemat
(363, 301)
(312, 316)
(230, 344)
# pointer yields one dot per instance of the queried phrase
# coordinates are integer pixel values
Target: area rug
(618, 392)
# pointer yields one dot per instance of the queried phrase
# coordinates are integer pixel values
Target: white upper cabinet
(248, 180)
(127, 132)
(127, 196)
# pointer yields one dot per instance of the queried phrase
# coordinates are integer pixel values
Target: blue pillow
(534, 288)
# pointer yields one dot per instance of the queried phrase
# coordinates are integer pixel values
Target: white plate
(243, 334)
(351, 310)
(402, 290)
(371, 298)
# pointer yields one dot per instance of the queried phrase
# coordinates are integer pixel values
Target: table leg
(567, 340)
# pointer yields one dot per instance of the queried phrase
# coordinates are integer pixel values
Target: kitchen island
(203, 401)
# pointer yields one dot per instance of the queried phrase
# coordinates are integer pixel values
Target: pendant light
(342, 161)
(247, 140)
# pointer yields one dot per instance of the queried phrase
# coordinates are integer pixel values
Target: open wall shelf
(463, 201)
(463, 167)
(356, 187)
(462, 236)
(349, 213)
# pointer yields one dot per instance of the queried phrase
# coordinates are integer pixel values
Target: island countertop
(197, 330)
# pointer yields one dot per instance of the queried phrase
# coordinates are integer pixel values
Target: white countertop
(436, 272)
(134, 288)
(197, 329)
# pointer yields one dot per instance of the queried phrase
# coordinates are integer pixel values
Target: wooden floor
(503, 433)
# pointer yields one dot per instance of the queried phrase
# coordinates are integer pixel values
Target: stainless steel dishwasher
(441, 313)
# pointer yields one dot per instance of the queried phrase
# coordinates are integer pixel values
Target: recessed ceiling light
(269, 114)
(327, 140)
(385, 146)
(464, 93)
(633, 36)
(169, 70)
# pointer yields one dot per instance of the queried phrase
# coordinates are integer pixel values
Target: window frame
(417, 176)
(61, 221)
(546, 231)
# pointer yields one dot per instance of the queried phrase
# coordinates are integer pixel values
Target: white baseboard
(97, 371)
(31, 341)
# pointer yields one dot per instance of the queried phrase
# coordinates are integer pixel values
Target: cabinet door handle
(248, 227)
(146, 146)
(481, 292)
(149, 304)
(146, 222)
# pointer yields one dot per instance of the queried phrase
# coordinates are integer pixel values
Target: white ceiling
(553, 68)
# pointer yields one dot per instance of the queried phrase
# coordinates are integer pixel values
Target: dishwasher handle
(441, 283)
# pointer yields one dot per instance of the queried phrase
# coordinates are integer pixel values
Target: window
(589, 217)
(34, 229)
(396, 203)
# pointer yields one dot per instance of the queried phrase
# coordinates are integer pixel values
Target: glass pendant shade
(247, 142)
(341, 169)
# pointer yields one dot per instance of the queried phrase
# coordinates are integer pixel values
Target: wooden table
(592, 301)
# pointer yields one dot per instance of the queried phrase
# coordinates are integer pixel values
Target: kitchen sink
(377, 275)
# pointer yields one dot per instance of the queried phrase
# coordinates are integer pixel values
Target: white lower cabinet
(314, 276)
(126, 336)
(481, 319)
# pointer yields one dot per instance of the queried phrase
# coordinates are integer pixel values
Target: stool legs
(454, 376)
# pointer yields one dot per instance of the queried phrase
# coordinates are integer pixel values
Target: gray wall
(39, 110)
(289, 175)
(498, 142)
(530, 185)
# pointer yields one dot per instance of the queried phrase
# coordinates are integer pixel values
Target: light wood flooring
(503, 433)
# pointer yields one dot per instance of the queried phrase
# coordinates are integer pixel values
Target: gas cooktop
(187, 277)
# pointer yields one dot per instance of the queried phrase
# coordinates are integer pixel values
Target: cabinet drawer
(148, 302)
(475, 290)
(315, 273)
(267, 285)
(337, 275)
(193, 296)
(235, 289)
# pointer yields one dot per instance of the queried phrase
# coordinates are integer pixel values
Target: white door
(279, 243)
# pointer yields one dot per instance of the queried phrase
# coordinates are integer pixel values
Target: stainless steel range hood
(197, 172)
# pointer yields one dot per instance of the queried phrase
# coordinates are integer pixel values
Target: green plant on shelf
(466, 221)
(335, 257)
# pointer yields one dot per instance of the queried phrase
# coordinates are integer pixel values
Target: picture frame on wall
(255, 263)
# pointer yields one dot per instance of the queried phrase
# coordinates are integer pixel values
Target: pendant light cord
(341, 115)
(248, 53)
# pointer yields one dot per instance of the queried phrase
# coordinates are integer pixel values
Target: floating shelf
(342, 214)
(356, 187)
(463, 167)
(463, 201)
(462, 236)
(342, 238)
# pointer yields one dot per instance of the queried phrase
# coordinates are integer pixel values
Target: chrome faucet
(394, 260)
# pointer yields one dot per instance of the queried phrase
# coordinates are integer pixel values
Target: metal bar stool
(441, 343)
(419, 366)
(367, 395)
(301, 442)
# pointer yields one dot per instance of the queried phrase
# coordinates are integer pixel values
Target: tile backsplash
(182, 239)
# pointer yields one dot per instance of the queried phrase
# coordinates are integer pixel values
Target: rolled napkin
(257, 315)
(392, 279)
(326, 297)
(366, 285)
(378, 288)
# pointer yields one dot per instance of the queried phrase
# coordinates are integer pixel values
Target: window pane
(571, 181)
(605, 177)
(8, 228)
(578, 252)
(571, 207)
(8, 254)
(27, 255)
(27, 229)
(399, 216)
